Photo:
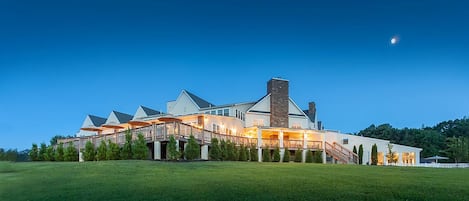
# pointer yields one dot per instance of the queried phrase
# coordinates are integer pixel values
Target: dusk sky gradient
(62, 60)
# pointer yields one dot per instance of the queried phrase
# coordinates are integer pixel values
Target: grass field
(149, 180)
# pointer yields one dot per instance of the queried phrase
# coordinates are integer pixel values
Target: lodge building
(273, 120)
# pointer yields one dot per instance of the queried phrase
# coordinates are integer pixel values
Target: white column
(157, 150)
(204, 152)
(282, 152)
(385, 160)
(303, 155)
(399, 159)
(177, 144)
(280, 139)
(80, 157)
(259, 144)
(305, 147)
(323, 136)
(185, 146)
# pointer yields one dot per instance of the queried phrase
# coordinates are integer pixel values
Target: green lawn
(149, 180)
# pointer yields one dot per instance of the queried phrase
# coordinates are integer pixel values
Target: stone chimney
(279, 98)
(312, 111)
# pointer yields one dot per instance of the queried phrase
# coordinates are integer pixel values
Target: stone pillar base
(204, 152)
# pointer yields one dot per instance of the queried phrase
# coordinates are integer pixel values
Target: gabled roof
(119, 117)
(199, 101)
(259, 102)
(96, 121)
(149, 111)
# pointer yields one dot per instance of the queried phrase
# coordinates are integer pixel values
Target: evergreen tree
(172, 151)
(70, 153)
(59, 152)
(113, 151)
(230, 152)
(253, 156)
(215, 152)
(33, 154)
(127, 148)
(236, 152)
(223, 150)
(309, 156)
(101, 152)
(276, 157)
(374, 155)
(298, 155)
(266, 154)
(355, 149)
(246, 152)
(89, 152)
(140, 149)
(192, 150)
(286, 156)
(318, 156)
(49, 156)
(42, 152)
(360, 154)
(242, 153)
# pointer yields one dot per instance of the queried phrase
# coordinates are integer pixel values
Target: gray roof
(122, 117)
(149, 111)
(97, 121)
(199, 101)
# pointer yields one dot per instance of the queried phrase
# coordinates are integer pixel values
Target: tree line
(447, 138)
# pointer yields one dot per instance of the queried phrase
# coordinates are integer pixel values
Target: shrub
(59, 152)
(127, 148)
(70, 153)
(236, 152)
(266, 154)
(102, 149)
(113, 151)
(374, 155)
(33, 154)
(89, 152)
(246, 152)
(192, 150)
(49, 153)
(223, 150)
(317, 157)
(215, 153)
(230, 151)
(276, 157)
(253, 156)
(298, 155)
(172, 151)
(140, 149)
(286, 156)
(242, 153)
(309, 156)
(360, 154)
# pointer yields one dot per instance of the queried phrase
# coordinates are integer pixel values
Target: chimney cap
(279, 78)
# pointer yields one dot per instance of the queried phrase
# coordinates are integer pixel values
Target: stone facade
(312, 111)
(279, 99)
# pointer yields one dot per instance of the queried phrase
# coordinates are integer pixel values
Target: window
(213, 112)
(208, 112)
(296, 125)
(226, 112)
(345, 141)
(220, 112)
(236, 113)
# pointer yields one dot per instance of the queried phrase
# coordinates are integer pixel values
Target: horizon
(63, 60)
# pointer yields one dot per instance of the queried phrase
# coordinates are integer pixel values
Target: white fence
(444, 165)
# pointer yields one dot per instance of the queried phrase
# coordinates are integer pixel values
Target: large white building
(273, 120)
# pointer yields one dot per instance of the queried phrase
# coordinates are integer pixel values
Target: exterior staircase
(341, 154)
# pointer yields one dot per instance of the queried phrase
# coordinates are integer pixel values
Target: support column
(385, 160)
(157, 150)
(280, 139)
(259, 144)
(399, 159)
(323, 135)
(204, 152)
(305, 147)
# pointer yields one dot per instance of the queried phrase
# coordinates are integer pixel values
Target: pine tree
(374, 155)
(192, 150)
(42, 152)
(236, 152)
(230, 155)
(309, 156)
(50, 153)
(70, 153)
(242, 153)
(286, 156)
(101, 152)
(298, 155)
(355, 149)
(140, 149)
(318, 156)
(247, 153)
(172, 151)
(59, 152)
(113, 151)
(127, 148)
(266, 154)
(360, 154)
(214, 152)
(89, 152)
(223, 150)
(33, 154)
(253, 156)
(276, 157)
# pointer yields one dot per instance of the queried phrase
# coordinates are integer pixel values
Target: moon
(394, 40)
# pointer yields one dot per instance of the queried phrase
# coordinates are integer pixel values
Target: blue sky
(62, 60)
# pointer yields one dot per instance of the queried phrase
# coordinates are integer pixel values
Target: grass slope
(149, 180)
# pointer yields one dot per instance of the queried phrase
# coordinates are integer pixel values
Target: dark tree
(192, 150)
(33, 154)
(215, 152)
(253, 156)
(127, 148)
(140, 149)
(360, 154)
(309, 156)
(59, 152)
(172, 150)
(89, 152)
(374, 155)
(101, 152)
(276, 157)
(298, 155)
(286, 156)
(266, 154)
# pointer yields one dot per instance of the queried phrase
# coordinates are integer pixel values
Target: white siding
(184, 105)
